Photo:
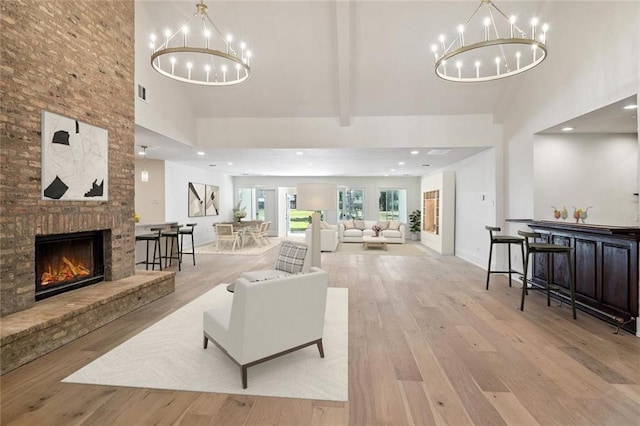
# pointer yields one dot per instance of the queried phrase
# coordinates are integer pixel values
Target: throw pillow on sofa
(348, 224)
(393, 225)
(359, 224)
(383, 225)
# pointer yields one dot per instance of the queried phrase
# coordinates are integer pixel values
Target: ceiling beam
(343, 60)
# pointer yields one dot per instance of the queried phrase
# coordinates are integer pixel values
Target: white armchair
(328, 238)
(262, 320)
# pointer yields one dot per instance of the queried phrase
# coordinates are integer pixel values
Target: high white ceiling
(337, 59)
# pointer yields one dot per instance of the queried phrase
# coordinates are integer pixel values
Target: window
(392, 205)
(350, 203)
(245, 200)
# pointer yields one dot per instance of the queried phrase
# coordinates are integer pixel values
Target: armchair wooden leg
(206, 342)
(243, 369)
(320, 348)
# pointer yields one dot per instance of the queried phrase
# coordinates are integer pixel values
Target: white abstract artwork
(75, 162)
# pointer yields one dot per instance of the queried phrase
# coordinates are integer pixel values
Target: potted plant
(238, 212)
(414, 219)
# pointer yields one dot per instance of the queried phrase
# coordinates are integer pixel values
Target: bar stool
(183, 232)
(155, 237)
(548, 249)
(502, 239)
(171, 234)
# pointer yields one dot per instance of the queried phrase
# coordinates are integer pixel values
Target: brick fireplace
(74, 59)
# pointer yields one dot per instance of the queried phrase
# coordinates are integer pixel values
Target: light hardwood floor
(427, 345)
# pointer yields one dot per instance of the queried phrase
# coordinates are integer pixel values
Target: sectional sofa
(352, 231)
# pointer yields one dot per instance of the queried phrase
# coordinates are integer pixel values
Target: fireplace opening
(66, 262)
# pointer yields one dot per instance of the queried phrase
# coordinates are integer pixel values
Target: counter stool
(183, 232)
(503, 239)
(171, 234)
(155, 237)
(548, 249)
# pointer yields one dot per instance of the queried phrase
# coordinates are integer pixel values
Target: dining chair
(255, 233)
(264, 234)
(225, 232)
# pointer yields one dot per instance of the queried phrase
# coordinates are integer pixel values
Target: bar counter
(606, 267)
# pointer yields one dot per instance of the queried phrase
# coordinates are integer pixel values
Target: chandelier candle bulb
(185, 30)
(534, 24)
(434, 49)
(461, 32)
(498, 66)
(477, 64)
(173, 65)
(512, 22)
(518, 54)
(444, 48)
(459, 66)
(487, 22)
(167, 34)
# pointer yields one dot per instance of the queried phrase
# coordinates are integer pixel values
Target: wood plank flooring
(427, 345)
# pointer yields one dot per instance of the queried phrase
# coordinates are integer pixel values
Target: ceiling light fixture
(200, 56)
(567, 129)
(415, 152)
(144, 174)
(512, 54)
(631, 106)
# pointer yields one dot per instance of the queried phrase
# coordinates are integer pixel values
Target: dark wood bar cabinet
(606, 266)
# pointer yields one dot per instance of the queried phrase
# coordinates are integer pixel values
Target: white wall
(587, 170)
(177, 178)
(150, 196)
(363, 132)
(592, 62)
(167, 111)
(476, 191)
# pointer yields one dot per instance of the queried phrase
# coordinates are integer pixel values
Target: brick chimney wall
(73, 58)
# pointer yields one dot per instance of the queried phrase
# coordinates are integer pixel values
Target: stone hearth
(51, 323)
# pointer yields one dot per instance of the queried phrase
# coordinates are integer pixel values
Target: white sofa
(269, 318)
(328, 238)
(355, 235)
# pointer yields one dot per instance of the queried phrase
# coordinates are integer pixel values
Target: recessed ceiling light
(392, 170)
(439, 152)
(386, 175)
(631, 106)
(299, 153)
(415, 152)
(200, 152)
(567, 129)
(400, 163)
(229, 163)
(142, 153)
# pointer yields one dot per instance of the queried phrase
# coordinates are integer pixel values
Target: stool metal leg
(524, 281)
(193, 249)
(489, 266)
(509, 252)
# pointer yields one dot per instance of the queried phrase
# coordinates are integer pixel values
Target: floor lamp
(316, 197)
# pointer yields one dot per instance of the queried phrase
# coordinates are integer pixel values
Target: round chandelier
(493, 56)
(198, 53)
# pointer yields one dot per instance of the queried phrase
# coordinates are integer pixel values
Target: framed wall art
(211, 203)
(75, 164)
(196, 199)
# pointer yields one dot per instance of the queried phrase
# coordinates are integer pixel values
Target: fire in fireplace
(68, 261)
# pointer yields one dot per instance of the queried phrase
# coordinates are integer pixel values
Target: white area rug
(169, 355)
